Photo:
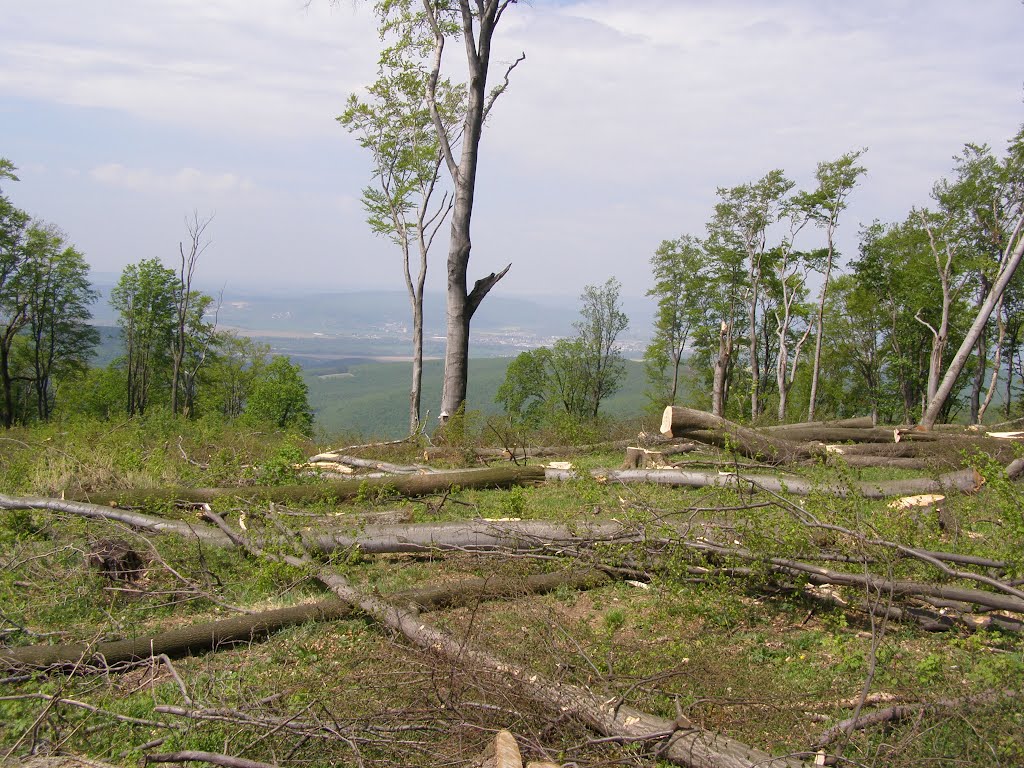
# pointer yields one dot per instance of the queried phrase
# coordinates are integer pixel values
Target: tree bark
(965, 481)
(217, 635)
(329, 492)
(945, 389)
(477, 31)
(721, 367)
(473, 536)
(678, 421)
(859, 422)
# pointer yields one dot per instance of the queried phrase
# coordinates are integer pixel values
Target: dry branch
(214, 758)
(136, 520)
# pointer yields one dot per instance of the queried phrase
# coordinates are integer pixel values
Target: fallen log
(679, 741)
(136, 520)
(357, 463)
(858, 422)
(217, 635)
(966, 481)
(799, 433)
(705, 427)
(472, 536)
(329, 492)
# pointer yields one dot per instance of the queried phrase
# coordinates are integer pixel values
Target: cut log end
(666, 422)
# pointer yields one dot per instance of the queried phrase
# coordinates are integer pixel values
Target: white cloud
(614, 133)
(184, 181)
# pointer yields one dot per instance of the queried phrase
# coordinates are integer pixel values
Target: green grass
(769, 666)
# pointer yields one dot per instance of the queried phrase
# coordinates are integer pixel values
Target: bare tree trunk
(721, 367)
(819, 333)
(477, 30)
(755, 371)
(944, 390)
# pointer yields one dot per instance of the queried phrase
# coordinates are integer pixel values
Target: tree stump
(115, 559)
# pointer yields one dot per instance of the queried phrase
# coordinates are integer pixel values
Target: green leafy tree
(60, 339)
(597, 332)
(395, 125)
(422, 30)
(682, 286)
(279, 397)
(234, 364)
(525, 393)
(574, 376)
(836, 180)
(14, 225)
(743, 217)
(144, 298)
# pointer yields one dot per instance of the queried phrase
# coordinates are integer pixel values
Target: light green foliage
(144, 300)
(279, 398)
(396, 124)
(682, 286)
(45, 336)
(566, 383)
(234, 364)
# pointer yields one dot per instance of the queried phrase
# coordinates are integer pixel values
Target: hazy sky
(625, 117)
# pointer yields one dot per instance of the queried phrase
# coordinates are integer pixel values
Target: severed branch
(904, 711)
(213, 758)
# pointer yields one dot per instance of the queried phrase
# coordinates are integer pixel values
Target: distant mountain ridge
(308, 313)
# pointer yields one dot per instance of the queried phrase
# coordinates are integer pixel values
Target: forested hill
(371, 399)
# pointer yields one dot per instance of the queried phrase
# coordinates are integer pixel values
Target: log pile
(857, 441)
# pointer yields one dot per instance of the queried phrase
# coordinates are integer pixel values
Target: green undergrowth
(761, 658)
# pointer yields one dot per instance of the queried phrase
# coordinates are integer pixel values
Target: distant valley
(354, 348)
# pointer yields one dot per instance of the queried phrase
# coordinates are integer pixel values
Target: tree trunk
(721, 367)
(966, 481)
(460, 304)
(944, 390)
(859, 422)
(678, 422)
(216, 635)
(329, 492)
(472, 536)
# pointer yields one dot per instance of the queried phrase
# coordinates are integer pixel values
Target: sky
(124, 118)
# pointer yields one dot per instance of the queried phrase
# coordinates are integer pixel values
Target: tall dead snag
(683, 422)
